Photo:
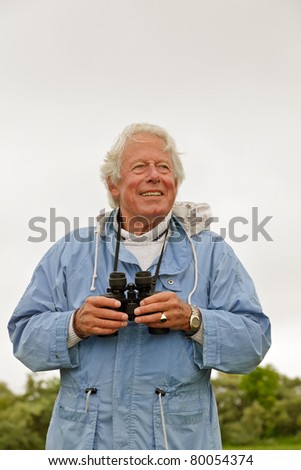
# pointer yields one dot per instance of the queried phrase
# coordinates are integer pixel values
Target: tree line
(255, 407)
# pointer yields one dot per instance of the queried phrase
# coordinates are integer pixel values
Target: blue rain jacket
(122, 410)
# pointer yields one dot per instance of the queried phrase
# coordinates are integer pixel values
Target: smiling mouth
(151, 193)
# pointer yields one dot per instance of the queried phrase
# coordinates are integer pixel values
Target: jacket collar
(178, 254)
(194, 217)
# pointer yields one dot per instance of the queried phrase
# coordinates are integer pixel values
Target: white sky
(222, 76)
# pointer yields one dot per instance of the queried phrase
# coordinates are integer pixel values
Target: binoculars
(130, 295)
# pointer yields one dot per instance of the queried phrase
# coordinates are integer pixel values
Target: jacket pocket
(186, 428)
(71, 429)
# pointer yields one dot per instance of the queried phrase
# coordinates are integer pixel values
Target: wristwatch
(195, 319)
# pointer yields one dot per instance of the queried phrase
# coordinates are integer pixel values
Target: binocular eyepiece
(130, 295)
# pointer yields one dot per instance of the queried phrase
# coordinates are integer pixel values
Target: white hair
(111, 168)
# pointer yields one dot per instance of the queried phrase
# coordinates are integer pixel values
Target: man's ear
(113, 188)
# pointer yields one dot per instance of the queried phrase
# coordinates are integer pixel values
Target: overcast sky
(222, 76)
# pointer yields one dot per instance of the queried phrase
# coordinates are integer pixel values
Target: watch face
(195, 322)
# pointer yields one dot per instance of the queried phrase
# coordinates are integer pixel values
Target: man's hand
(97, 316)
(176, 311)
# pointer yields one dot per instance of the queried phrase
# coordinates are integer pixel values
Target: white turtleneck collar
(152, 240)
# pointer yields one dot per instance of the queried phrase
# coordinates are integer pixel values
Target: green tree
(248, 428)
(24, 419)
(260, 405)
(261, 385)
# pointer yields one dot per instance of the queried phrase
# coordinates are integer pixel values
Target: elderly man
(137, 313)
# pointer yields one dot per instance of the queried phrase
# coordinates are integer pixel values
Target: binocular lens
(143, 279)
(117, 280)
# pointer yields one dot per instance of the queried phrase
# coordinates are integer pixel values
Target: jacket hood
(195, 217)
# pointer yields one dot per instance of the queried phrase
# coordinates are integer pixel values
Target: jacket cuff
(198, 337)
(72, 338)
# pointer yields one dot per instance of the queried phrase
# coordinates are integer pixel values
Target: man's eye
(139, 167)
(163, 168)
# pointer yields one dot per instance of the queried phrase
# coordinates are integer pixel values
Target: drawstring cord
(88, 391)
(94, 277)
(163, 421)
(195, 270)
(161, 394)
(97, 234)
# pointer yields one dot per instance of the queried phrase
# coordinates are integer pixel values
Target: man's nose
(152, 172)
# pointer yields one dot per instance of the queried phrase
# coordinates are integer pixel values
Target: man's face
(147, 187)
